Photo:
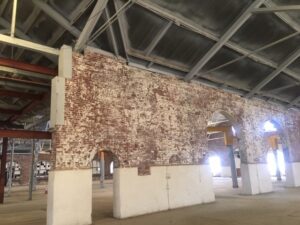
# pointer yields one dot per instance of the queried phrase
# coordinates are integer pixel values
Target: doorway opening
(223, 152)
(275, 151)
(103, 165)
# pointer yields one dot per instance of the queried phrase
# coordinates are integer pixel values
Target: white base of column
(292, 174)
(167, 187)
(226, 171)
(256, 179)
(69, 197)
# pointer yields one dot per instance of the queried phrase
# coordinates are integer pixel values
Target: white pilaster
(292, 174)
(69, 197)
(256, 179)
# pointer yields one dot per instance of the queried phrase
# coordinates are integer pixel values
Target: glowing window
(215, 165)
(111, 167)
(233, 131)
(272, 163)
(269, 127)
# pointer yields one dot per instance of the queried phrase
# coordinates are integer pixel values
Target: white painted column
(69, 191)
(256, 179)
(292, 171)
(69, 197)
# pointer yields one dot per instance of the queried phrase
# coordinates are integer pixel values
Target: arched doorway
(223, 150)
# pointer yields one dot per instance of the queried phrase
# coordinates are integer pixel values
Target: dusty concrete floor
(279, 208)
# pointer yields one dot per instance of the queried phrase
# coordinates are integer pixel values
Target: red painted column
(2, 169)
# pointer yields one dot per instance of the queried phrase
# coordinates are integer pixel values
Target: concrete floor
(230, 208)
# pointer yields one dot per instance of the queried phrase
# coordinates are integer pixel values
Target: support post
(2, 170)
(228, 141)
(36, 158)
(234, 177)
(102, 169)
(13, 19)
(10, 174)
(273, 141)
(31, 171)
(278, 173)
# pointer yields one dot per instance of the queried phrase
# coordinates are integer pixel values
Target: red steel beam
(25, 134)
(2, 169)
(27, 66)
(17, 94)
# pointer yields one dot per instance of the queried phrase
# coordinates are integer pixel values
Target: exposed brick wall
(146, 118)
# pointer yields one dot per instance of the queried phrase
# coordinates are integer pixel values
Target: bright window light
(272, 163)
(233, 131)
(269, 127)
(215, 165)
(111, 167)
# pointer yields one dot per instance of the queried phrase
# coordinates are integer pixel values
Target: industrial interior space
(150, 112)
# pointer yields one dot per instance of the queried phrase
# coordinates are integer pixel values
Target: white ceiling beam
(26, 26)
(225, 37)
(57, 17)
(282, 88)
(192, 26)
(28, 45)
(295, 101)
(90, 24)
(24, 36)
(13, 18)
(283, 16)
(157, 38)
(79, 10)
(275, 73)
(74, 16)
(111, 33)
(285, 8)
(123, 28)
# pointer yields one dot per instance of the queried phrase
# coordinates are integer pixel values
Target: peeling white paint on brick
(145, 117)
